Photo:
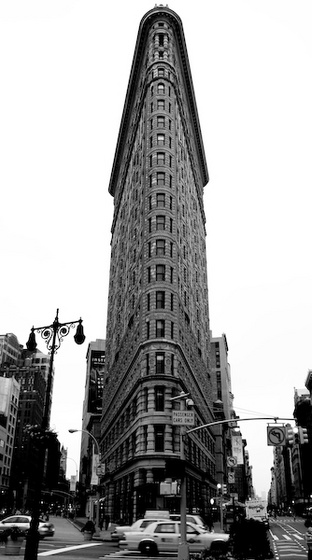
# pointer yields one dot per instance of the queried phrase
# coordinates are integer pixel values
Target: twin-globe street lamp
(53, 336)
(97, 514)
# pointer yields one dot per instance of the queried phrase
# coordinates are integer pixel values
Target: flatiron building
(157, 340)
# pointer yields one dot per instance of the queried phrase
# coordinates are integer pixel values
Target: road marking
(67, 549)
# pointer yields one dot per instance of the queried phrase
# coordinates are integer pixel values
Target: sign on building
(183, 417)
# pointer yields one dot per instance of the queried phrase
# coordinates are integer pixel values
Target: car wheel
(149, 549)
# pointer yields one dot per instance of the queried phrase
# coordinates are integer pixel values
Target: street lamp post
(183, 548)
(97, 514)
(53, 336)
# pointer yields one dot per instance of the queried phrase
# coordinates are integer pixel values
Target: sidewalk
(79, 522)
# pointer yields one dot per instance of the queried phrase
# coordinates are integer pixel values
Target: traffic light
(290, 436)
(303, 435)
(296, 437)
(224, 489)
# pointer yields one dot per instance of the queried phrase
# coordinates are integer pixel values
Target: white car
(45, 528)
(138, 525)
(165, 536)
(190, 518)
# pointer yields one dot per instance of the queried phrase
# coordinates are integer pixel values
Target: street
(68, 542)
(288, 538)
(286, 534)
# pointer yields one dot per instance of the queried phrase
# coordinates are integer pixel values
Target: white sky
(64, 70)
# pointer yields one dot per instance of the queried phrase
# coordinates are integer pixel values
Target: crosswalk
(288, 537)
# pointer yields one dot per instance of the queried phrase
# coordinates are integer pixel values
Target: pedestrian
(89, 527)
(107, 519)
(101, 523)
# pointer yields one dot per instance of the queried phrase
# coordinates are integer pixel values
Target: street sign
(276, 435)
(231, 461)
(231, 477)
(183, 417)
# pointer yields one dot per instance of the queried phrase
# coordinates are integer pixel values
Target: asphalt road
(68, 542)
(287, 537)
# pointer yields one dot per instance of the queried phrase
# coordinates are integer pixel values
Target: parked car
(190, 518)
(165, 536)
(138, 525)
(45, 528)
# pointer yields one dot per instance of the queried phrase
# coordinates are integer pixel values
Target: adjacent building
(9, 399)
(23, 382)
(291, 485)
(91, 416)
(158, 337)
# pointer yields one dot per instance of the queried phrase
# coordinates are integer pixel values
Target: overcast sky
(64, 70)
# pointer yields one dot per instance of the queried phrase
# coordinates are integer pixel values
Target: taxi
(165, 536)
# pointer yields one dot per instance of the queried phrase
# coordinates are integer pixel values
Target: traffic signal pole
(238, 420)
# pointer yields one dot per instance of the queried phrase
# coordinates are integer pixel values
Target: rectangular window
(172, 329)
(159, 394)
(145, 438)
(171, 275)
(160, 272)
(147, 364)
(161, 89)
(160, 104)
(147, 330)
(160, 179)
(159, 437)
(160, 223)
(148, 303)
(161, 39)
(171, 304)
(160, 328)
(160, 139)
(160, 300)
(160, 247)
(161, 122)
(145, 399)
(161, 158)
(160, 362)
(171, 225)
(160, 200)
(148, 274)
(149, 249)
(150, 225)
